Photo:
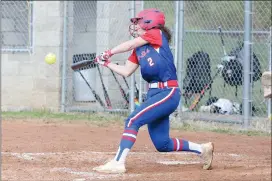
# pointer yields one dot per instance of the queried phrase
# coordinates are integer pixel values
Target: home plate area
(78, 166)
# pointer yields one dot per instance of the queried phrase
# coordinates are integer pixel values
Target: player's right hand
(102, 62)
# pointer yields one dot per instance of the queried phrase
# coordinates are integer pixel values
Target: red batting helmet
(148, 19)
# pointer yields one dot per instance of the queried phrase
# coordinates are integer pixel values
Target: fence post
(132, 77)
(1, 81)
(247, 64)
(179, 39)
(176, 31)
(269, 106)
(140, 77)
(64, 59)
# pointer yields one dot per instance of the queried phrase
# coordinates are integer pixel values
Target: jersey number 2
(150, 61)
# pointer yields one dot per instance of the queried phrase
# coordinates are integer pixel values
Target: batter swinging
(152, 53)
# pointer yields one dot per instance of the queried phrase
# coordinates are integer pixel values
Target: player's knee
(133, 124)
(162, 146)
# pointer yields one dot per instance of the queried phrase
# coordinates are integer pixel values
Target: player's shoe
(207, 155)
(111, 167)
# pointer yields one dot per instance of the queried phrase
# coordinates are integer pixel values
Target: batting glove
(102, 62)
(105, 55)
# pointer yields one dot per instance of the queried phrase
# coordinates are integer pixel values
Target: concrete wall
(27, 81)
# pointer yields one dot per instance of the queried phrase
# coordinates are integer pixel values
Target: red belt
(160, 85)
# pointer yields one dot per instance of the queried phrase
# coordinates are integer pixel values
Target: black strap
(236, 90)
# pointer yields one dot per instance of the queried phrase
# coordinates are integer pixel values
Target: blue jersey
(155, 58)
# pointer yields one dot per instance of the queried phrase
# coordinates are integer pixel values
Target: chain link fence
(204, 51)
(261, 22)
(17, 19)
(95, 26)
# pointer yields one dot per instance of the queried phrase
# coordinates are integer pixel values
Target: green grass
(99, 119)
(227, 130)
(105, 119)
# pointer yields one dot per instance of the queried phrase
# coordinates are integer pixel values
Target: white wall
(27, 82)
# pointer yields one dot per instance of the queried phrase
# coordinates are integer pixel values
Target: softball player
(152, 53)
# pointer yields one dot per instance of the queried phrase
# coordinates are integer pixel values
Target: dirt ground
(35, 150)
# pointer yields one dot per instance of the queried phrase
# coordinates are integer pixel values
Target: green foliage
(211, 14)
(168, 7)
(262, 15)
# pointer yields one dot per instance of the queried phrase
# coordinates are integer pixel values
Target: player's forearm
(123, 47)
(119, 69)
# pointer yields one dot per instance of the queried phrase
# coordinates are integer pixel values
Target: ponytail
(167, 33)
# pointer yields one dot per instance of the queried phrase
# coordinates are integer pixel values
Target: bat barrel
(81, 64)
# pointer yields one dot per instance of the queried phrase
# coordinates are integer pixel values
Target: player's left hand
(106, 55)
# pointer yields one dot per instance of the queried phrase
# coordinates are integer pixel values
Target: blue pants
(154, 112)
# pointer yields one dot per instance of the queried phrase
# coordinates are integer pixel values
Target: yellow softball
(50, 58)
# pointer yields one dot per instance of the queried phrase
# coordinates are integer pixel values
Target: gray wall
(27, 81)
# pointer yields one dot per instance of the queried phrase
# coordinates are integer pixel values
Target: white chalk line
(33, 156)
(91, 175)
(29, 154)
(178, 162)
